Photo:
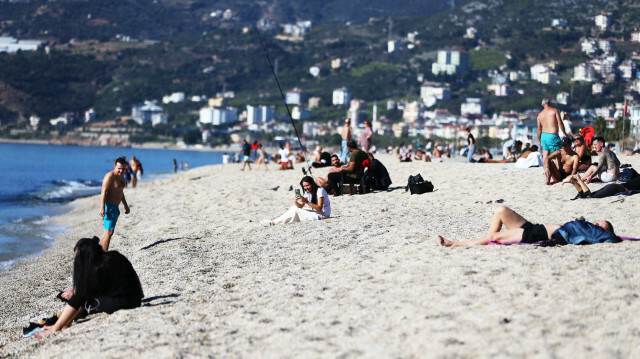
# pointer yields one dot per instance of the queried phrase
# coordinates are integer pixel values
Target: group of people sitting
(315, 192)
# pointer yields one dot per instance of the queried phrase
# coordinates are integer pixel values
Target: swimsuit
(534, 233)
(550, 142)
(111, 214)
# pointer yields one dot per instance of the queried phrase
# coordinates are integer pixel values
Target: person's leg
(608, 190)
(293, 214)
(589, 172)
(501, 216)
(106, 239)
(554, 172)
(470, 153)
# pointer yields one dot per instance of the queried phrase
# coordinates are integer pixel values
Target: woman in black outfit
(102, 281)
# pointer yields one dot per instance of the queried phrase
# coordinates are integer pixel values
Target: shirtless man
(568, 159)
(608, 168)
(346, 137)
(112, 194)
(549, 122)
(519, 230)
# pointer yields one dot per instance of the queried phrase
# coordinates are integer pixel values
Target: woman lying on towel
(315, 197)
(519, 230)
(102, 282)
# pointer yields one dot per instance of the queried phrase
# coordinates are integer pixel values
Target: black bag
(417, 185)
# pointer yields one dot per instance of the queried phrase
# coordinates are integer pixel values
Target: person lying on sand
(519, 230)
(609, 190)
(102, 282)
(314, 196)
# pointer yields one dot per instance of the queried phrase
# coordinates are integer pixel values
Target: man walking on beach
(549, 122)
(112, 194)
(246, 152)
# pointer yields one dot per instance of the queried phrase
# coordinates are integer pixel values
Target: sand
(364, 283)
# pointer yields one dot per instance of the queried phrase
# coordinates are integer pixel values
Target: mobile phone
(298, 192)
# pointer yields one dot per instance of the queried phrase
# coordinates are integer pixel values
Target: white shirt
(326, 204)
(284, 155)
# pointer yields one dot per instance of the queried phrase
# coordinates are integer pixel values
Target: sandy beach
(364, 283)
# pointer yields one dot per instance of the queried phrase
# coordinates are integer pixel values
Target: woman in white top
(314, 197)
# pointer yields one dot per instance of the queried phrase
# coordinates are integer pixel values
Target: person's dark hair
(599, 138)
(468, 129)
(314, 188)
(352, 144)
(610, 227)
(534, 148)
(88, 257)
(120, 160)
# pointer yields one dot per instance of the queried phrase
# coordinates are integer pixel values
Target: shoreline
(363, 283)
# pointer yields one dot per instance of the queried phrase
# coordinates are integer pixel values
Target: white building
(589, 46)
(518, 76)
(603, 21)
(635, 36)
(563, 98)
(175, 97)
(300, 113)
(559, 23)
(584, 72)
(257, 115)
(295, 97)
(315, 70)
(471, 33)
(148, 112)
(607, 45)
(34, 121)
(597, 89)
(218, 115)
(393, 45)
(12, 45)
(89, 115)
(627, 70)
(537, 70)
(430, 94)
(451, 62)
(500, 90)
(341, 97)
(472, 106)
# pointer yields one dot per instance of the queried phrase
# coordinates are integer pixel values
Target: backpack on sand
(417, 185)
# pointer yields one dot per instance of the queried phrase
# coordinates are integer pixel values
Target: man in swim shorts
(111, 195)
(549, 122)
(519, 230)
(608, 168)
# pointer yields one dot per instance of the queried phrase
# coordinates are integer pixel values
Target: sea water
(36, 181)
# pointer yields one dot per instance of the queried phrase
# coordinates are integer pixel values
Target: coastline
(363, 283)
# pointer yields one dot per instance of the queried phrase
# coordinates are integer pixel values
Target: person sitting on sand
(608, 168)
(583, 153)
(510, 156)
(313, 196)
(568, 160)
(103, 281)
(422, 156)
(519, 230)
(609, 190)
(377, 175)
(355, 164)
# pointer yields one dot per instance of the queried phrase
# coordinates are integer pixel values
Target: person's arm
(539, 131)
(299, 201)
(350, 167)
(601, 161)
(576, 162)
(106, 184)
(126, 206)
(315, 206)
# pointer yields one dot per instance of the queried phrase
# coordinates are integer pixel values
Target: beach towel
(533, 160)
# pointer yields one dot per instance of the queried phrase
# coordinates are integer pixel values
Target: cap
(566, 141)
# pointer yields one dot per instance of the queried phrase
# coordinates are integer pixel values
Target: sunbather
(519, 230)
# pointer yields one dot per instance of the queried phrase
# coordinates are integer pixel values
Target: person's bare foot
(45, 333)
(444, 242)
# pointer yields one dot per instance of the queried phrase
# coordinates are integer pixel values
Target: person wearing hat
(568, 161)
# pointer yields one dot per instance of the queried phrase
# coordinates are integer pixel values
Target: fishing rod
(266, 54)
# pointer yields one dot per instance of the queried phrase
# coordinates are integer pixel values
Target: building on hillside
(597, 89)
(635, 36)
(559, 23)
(451, 62)
(431, 93)
(393, 45)
(300, 113)
(148, 112)
(314, 102)
(89, 115)
(295, 97)
(265, 24)
(257, 115)
(411, 111)
(500, 90)
(589, 46)
(608, 46)
(471, 33)
(537, 70)
(563, 98)
(585, 72)
(341, 97)
(12, 45)
(603, 21)
(472, 106)
(175, 97)
(627, 70)
(218, 115)
(518, 76)
(548, 78)
(315, 70)
(34, 122)
(217, 102)
(337, 63)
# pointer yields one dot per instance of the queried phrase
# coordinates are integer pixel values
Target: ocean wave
(68, 190)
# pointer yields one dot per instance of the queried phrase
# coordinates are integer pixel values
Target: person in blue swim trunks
(111, 195)
(549, 125)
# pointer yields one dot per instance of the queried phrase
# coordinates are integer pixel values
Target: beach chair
(355, 180)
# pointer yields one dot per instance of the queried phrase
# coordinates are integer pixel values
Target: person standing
(471, 149)
(346, 137)
(110, 197)
(365, 137)
(246, 152)
(549, 123)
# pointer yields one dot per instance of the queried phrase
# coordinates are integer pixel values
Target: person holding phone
(312, 196)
